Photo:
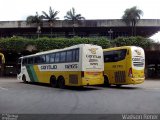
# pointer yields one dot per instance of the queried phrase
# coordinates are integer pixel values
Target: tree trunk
(132, 25)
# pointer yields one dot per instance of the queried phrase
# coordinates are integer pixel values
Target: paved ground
(20, 98)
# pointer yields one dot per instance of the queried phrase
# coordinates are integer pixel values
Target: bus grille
(120, 76)
(73, 79)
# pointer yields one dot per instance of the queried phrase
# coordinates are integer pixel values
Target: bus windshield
(115, 55)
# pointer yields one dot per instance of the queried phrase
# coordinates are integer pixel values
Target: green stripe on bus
(31, 73)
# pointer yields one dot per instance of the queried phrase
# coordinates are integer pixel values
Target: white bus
(78, 65)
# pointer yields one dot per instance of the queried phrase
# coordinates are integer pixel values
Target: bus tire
(61, 82)
(106, 81)
(53, 82)
(24, 79)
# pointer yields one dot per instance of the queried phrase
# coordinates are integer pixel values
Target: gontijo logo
(138, 52)
(93, 50)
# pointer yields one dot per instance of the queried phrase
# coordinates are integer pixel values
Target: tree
(34, 19)
(37, 19)
(131, 17)
(51, 17)
(71, 15)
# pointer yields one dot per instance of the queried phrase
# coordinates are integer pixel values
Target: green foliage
(51, 17)
(34, 19)
(136, 41)
(132, 15)
(43, 44)
(71, 15)
(20, 44)
(13, 44)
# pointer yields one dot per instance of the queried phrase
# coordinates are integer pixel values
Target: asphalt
(19, 98)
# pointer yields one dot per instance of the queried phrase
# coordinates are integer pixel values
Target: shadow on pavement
(81, 88)
(119, 87)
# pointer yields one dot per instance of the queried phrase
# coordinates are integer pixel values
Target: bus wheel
(106, 81)
(24, 79)
(53, 82)
(61, 82)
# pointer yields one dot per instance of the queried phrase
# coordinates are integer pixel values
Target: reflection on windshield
(115, 55)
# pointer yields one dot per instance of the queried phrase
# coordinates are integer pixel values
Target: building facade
(86, 28)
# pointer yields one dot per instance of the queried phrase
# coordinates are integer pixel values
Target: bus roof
(121, 47)
(57, 50)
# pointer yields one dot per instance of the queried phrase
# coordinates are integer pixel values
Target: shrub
(135, 41)
(19, 44)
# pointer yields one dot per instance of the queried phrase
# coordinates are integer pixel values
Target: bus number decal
(71, 66)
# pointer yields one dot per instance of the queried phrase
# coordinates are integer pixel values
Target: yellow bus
(124, 65)
(78, 65)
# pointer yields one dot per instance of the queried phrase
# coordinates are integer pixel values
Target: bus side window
(115, 56)
(40, 59)
(73, 55)
(36, 59)
(43, 58)
(77, 55)
(30, 60)
(62, 56)
(47, 58)
(69, 56)
(25, 61)
(52, 58)
(57, 57)
(122, 54)
(108, 56)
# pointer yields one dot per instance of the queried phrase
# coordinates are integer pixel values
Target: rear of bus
(136, 70)
(124, 65)
(92, 65)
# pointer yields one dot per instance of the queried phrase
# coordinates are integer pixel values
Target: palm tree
(131, 17)
(71, 15)
(37, 19)
(51, 17)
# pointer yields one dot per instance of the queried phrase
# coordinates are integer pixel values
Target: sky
(11, 10)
